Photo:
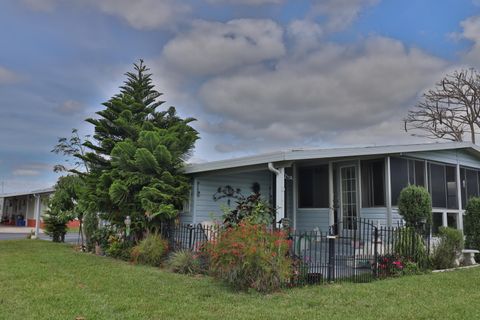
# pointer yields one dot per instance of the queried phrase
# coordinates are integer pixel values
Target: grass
(44, 280)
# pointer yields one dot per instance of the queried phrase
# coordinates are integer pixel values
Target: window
(373, 183)
(443, 186)
(469, 184)
(437, 222)
(404, 172)
(452, 220)
(313, 187)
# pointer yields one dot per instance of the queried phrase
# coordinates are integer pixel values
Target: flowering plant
(389, 265)
(250, 256)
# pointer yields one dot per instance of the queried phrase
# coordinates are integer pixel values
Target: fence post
(191, 228)
(375, 252)
(331, 258)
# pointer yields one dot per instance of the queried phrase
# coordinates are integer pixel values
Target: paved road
(69, 237)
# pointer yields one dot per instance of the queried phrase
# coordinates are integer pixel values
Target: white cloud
(32, 169)
(69, 107)
(323, 96)
(215, 47)
(140, 14)
(7, 76)
(144, 14)
(471, 32)
(247, 2)
(339, 13)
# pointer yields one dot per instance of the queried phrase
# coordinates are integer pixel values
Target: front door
(348, 196)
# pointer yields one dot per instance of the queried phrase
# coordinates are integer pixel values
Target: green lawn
(44, 280)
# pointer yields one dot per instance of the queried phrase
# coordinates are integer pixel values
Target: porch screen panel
(399, 177)
(313, 187)
(469, 184)
(437, 185)
(451, 187)
(373, 183)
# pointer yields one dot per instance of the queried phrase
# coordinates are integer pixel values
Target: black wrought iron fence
(356, 250)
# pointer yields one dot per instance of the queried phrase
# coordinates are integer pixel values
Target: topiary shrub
(251, 257)
(185, 262)
(150, 250)
(415, 205)
(449, 246)
(471, 224)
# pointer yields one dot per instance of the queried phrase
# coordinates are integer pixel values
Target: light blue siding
(375, 215)
(309, 219)
(205, 208)
(448, 156)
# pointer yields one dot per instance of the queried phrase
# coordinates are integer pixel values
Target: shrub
(411, 268)
(253, 209)
(185, 262)
(414, 204)
(90, 226)
(409, 245)
(251, 256)
(150, 250)
(118, 248)
(389, 265)
(472, 224)
(446, 251)
(56, 225)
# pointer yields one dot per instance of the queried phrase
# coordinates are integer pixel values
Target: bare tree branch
(449, 111)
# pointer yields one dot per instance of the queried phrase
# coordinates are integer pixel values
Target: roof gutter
(273, 169)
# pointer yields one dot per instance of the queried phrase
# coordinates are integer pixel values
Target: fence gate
(348, 252)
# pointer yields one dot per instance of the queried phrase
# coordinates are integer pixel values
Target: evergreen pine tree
(137, 154)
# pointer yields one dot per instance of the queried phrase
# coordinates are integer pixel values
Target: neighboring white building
(24, 208)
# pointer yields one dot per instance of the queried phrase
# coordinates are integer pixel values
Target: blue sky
(259, 75)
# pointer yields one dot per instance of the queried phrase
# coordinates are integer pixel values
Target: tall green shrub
(445, 253)
(471, 224)
(150, 250)
(415, 205)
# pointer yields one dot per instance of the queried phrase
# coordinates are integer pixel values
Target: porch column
(295, 194)
(38, 204)
(280, 194)
(26, 210)
(459, 197)
(388, 184)
(331, 209)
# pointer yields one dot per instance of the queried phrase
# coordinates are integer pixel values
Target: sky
(258, 75)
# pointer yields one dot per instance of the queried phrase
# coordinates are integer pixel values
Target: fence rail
(356, 250)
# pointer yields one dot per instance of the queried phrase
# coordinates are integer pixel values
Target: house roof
(306, 154)
(25, 193)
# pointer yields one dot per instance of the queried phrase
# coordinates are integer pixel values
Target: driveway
(12, 233)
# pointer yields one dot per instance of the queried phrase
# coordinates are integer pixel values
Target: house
(315, 188)
(22, 208)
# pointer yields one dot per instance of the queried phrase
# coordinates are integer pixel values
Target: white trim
(280, 194)
(359, 188)
(295, 194)
(306, 154)
(331, 209)
(194, 200)
(38, 204)
(459, 198)
(388, 184)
